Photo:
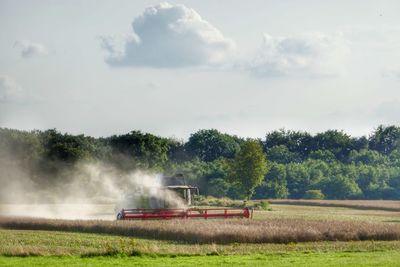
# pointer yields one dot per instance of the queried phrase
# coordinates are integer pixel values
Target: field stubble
(305, 212)
(219, 231)
(388, 205)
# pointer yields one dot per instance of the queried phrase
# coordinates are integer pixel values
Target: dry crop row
(219, 231)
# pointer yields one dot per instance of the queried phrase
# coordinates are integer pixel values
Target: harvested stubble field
(388, 205)
(305, 212)
(219, 231)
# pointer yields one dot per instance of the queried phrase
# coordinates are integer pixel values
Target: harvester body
(172, 201)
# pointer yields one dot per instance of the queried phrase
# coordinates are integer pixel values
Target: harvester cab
(185, 193)
(177, 193)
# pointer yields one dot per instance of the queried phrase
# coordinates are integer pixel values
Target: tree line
(284, 164)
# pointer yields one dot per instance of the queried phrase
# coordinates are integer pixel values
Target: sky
(172, 68)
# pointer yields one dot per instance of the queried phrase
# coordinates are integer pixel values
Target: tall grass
(219, 231)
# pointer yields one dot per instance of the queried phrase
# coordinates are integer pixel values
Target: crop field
(306, 212)
(220, 231)
(286, 235)
(358, 204)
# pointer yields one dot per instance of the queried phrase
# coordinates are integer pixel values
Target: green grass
(379, 258)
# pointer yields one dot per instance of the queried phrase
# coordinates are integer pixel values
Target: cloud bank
(30, 49)
(168, 35)
(310, 54)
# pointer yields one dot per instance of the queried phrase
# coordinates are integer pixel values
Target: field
(286, 236)
(358, 204)
(221, 231)
(385, 258)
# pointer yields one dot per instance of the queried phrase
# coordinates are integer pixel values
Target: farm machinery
(174, 200)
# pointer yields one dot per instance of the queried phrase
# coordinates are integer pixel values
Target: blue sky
(171, 68)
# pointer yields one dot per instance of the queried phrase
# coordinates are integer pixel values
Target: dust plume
(85, 190)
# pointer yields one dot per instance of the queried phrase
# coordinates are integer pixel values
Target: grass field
(47, 243)
(80, 247)
(373, 259)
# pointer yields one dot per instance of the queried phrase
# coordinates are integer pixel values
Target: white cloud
(168, 35)
(10, 91)
(306, 54)
(30, 49)
(392, 73)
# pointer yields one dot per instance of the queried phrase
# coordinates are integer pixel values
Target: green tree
(297, 142)
(394, 157)
(318, 171)
(274, 184)
(209, 145)
(337, 142)
(144, 149)
(368, 157)
(218, 187)
(176, 151)
(249, 167)
(394, 184)
(385, 139)
(281, 154)
(201, 173)
(66, 147)
(324, 155)
(341, 187)
(298, 179)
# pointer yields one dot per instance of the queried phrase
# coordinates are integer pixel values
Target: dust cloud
(85, 190)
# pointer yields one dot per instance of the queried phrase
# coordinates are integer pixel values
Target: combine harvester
(174, 201)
